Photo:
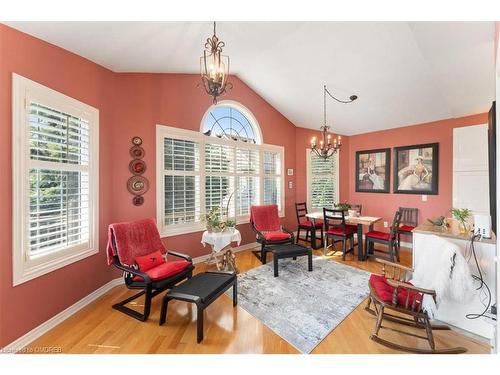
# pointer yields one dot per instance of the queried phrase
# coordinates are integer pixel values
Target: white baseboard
(43, 328)
(248, 246)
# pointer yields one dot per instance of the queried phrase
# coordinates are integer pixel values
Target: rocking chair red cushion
(385, 291)
(165, 270)
(146, 262)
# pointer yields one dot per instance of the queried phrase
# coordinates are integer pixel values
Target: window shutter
(272, 178)
(322, 181)
(58, 180)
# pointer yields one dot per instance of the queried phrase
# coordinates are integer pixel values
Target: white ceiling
(403, 72)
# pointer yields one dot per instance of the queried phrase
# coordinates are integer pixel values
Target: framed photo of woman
(416, 169)
(373, 170)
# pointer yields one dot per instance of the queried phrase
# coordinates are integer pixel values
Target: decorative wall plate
(137, 141)
(137, 166)
(138, 200)
(137, 185)
(137, 152)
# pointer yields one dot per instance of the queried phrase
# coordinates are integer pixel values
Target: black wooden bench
(288, 251)
(202, 289)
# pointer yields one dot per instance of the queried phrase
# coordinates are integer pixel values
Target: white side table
(222, 253)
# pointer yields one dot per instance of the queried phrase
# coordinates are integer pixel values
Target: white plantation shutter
(272, 178)
(55, 179)
(322, 181)
(181, 181)
(197, 172)
(58, 179)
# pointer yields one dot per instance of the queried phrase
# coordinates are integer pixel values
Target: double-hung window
(322, 181)
(223, 166)
(55, 180)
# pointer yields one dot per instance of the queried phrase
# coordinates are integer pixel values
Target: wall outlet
(290, 184)
(424, 198)
(386, 224)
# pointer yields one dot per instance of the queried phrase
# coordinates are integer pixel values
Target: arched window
(224, 165)
(231, 120)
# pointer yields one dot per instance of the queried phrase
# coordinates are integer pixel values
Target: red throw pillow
(146, 262)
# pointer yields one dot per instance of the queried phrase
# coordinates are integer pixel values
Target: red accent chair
(305, 224)
(388, 239)
(136, 249)
(337, 230)
(409, 220)
(266, 224)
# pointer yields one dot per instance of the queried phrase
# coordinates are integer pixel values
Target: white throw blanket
(446, 272)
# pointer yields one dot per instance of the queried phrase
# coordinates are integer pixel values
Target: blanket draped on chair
(133, 239)
(446, 272)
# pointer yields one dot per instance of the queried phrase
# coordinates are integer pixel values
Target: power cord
(483, 287)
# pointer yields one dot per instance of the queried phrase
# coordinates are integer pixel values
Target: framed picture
(416, 169)
(373, 171)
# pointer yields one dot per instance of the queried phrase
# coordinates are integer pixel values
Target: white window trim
(24, 268)
(337, 179)
(241, 108)
(163, 131)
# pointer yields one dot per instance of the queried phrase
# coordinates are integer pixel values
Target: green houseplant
(462, 215)
(342, 206)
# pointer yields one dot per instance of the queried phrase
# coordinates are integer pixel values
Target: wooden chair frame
(301, 211)
(409, 216)
(396, 276)
(329, 216)
(392, 243)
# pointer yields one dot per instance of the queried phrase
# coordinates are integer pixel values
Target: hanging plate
(138, 200)
(137, 185)
(137, 141)
(137, 152)
(137, 166)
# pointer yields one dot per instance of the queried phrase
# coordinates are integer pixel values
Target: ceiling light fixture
(326, 147)
(214, 68)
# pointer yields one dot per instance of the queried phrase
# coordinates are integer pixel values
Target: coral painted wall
(144, 100)
(384, 205)
(25, 306)
(129, 105)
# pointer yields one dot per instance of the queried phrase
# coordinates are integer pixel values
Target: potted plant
(212, 218)
(230, 224)
(342, 206)
(462, 215)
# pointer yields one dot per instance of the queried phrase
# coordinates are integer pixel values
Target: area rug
(300, 306)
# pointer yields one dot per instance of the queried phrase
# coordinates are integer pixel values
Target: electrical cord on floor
(483, 287)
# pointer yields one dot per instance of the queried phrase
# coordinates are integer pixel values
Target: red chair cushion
(276, 236)
(146, 262)
(265, 217)
(378, 235)
(384, 291)
(337, 231)
(406, 228)
(309, 224)
(165, 270)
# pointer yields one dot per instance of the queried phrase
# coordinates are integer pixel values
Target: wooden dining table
(359, 221)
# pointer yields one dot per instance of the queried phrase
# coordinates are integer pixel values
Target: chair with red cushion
(303, 223)
(136, 249)
(266, 224)
(391, 291)
(384, 238)
(409, 220)
(338, 231)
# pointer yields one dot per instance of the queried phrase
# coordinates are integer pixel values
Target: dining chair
(389, 239)
(337, 230)
(409, 220)
(304, 223)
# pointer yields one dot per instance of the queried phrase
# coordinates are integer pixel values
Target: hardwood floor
(100, 329)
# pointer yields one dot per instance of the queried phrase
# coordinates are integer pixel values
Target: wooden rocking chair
(392, 292)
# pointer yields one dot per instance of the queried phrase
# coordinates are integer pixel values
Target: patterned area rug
(300, 306)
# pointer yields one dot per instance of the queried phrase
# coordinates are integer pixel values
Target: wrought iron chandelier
(326, 147)
(214, 68)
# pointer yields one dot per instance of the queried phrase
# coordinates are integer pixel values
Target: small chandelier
(214, 68)
(326, 147)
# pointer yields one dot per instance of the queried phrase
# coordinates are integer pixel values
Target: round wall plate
(137, 141)
(137, 152)
(137, 166)
(138, 200)
(137, 185)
